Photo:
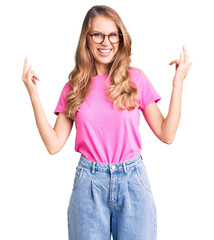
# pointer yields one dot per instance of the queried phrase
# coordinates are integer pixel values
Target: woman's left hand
(182, 66)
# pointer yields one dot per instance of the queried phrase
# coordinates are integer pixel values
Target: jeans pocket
(78, 176)
(142, 176)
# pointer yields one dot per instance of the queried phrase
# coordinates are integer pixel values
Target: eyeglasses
(112, 37)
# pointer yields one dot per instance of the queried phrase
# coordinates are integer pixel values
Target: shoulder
(67, 84)
(136, 74)
(135, 71)
(67, 87)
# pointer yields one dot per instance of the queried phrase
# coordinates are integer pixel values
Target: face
(104, 52)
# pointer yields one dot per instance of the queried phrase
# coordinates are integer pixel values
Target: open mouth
(104, 50)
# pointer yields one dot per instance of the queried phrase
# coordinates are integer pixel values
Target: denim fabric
(112, 199)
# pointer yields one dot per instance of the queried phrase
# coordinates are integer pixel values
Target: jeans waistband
(105, 167)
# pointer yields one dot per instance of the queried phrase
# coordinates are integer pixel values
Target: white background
(36, 186)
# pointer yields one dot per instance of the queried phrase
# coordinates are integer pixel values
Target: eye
(113, 34)
(97, 34)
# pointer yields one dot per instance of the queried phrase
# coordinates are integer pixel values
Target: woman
(111, 190)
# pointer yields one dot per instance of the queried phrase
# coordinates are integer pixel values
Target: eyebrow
(102, 33)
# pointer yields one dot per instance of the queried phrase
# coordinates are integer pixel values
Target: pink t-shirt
(105, 134)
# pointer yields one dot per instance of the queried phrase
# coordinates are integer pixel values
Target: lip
(105, 48)
(104, 54)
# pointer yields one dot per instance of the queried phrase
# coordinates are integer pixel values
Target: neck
(101, 69)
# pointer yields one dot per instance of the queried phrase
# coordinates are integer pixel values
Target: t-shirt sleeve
(62, 102)
(147, 92)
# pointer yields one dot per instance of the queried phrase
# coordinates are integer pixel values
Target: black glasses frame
(104, 35)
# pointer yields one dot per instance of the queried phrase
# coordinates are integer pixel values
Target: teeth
(104, 51)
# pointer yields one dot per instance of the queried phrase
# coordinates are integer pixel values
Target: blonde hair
(122, 90)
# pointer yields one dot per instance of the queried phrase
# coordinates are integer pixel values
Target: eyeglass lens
(98, 37)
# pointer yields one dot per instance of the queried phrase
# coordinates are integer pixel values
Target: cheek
(116, 49)
(91, 47)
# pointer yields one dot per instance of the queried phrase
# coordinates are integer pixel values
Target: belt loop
(93, 167)
(124, 167)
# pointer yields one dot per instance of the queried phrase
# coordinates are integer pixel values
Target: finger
(30, 68)
(187, 57)
(189, 67)
(29, 71)
(171, 62)
(25, 65)
(186, 60)
(35, 75)
(181, 57)
(34, 81)
(184, 53)
(174, 61)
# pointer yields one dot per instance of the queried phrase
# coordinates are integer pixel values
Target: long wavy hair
(122, 92)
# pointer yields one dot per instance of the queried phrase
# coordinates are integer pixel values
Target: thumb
(172, 62)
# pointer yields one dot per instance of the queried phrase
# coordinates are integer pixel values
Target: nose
(106, 41)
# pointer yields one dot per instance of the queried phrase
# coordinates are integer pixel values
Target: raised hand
(29, 78)
(182, 66)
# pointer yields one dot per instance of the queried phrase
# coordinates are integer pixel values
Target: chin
(107, 61)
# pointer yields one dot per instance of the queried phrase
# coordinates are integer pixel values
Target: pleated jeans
(112, 200)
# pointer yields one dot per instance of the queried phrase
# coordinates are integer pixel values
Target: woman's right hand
(29, 78)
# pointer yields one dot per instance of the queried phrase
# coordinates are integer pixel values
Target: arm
(53, 138)
(165, 128)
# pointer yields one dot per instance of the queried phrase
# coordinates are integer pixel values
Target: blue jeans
(112, 199)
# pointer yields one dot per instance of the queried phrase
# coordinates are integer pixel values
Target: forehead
(103, 24)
